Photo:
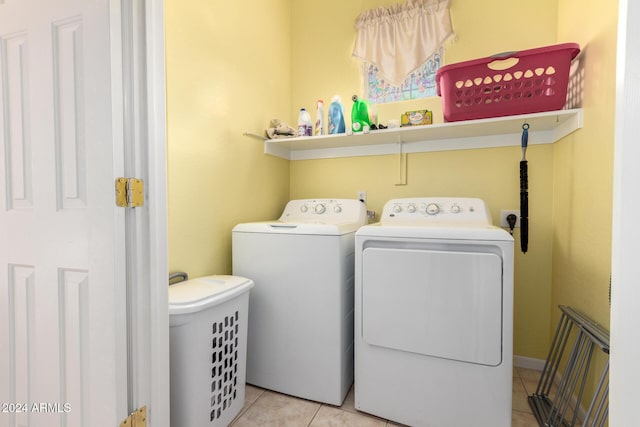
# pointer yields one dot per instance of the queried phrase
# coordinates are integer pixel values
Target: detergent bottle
(360, 115)
(305, 128)
(335, 120)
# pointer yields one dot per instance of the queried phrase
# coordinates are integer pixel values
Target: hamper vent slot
(224, 365)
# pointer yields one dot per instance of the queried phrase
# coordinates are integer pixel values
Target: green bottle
(360, 115)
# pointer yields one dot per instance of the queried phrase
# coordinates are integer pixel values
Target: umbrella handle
(524, 206)
(524, 235)
(525, 140)
(524, 191)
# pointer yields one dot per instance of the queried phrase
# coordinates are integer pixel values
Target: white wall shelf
(545, 128)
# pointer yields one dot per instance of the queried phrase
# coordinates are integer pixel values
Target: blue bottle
(335, 119)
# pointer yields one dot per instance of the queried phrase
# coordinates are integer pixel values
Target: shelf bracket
(253, 135)
(402, 164)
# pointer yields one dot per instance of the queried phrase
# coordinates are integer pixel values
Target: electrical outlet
(362, 196)
(505, 213)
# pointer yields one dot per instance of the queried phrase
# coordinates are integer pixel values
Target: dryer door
(439, 303)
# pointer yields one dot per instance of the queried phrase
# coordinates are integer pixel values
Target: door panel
(62, 288)
(436, 303)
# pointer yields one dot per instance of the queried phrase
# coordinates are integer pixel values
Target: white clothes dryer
(434, 315)
(300, 337)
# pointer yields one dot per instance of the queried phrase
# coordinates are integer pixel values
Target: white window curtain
(401, 38)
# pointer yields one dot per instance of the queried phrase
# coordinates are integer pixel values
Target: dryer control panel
(436, 209)
(327, 211)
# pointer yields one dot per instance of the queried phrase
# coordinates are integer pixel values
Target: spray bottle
(319, 118)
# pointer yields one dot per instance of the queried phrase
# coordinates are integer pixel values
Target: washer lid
(203, 292)
(307, 228)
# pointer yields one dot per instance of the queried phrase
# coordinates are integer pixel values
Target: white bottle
(319, 130)
(305, 128)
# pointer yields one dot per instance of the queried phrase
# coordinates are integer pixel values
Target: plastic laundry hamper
(522, 82)
(208, 341)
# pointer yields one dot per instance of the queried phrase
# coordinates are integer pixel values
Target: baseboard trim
(528, 363)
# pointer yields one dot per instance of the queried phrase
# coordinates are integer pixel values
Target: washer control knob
(397, 208)
(411, 209)
(455, 208)
(320, 208)
(337, 209)
(304, 208)
(432, 209)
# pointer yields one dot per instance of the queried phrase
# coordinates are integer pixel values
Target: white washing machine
(300, 338)
(434, 315)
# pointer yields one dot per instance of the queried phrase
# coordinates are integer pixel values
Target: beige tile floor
(265, 408)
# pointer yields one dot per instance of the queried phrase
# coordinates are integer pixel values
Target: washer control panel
(436, 209)
(324, 211)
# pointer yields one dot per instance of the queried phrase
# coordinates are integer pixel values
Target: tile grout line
(245, 410)
(524, 387)
(314, 415)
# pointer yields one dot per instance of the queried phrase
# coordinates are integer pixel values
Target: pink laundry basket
(527, 81)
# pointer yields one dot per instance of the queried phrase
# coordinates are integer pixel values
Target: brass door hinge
(129, 192)
(137, 418)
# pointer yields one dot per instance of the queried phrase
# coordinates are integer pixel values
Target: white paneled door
(63, 324)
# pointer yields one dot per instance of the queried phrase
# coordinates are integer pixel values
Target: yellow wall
(583, 184)
(228, 72)
(583, 173)
(322, 39)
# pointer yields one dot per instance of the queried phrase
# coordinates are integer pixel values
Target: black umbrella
(524, 194)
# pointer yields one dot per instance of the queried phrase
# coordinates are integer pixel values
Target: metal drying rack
(561, 406)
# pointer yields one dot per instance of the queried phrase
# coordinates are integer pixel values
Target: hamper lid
(203, 292)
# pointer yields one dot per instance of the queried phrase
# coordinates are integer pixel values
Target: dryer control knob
(304, 208)
(432, 209)
(411, 209)
(455, 208)
(337, 209)
(320, 209)
(397, 208)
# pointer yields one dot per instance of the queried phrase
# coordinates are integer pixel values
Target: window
(401, 48)
(421, 83)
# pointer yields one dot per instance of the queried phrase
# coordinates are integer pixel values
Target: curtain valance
(400, 38)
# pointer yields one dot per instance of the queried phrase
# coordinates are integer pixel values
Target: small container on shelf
(416, 118)
(305, 128)
(360, 121)
(319, 129)
(336, 116)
